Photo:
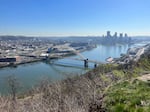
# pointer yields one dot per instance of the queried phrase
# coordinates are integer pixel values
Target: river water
(31, 74)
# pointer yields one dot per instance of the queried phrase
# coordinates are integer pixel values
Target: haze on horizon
(74, 17)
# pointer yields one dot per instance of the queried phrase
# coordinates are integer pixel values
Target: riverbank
(19, 63)
(29, 59)
(133, 54)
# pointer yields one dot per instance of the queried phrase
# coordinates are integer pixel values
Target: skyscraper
(121, 34)
(115, 35)
(108, 34)
(125, 35)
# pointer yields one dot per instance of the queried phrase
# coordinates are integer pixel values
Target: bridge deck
(91, 61)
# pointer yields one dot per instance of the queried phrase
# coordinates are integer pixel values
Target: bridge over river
(81, 58)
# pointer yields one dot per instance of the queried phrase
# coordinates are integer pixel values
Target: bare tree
(14, 85)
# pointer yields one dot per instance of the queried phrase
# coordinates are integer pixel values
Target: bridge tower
(86, 63)
(95, 65)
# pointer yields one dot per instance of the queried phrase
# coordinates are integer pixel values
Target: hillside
(128, 96)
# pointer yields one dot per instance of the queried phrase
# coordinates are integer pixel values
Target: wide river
(31, 74)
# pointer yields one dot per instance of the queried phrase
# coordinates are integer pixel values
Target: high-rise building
(108, 34)
(121, 34)
(125, 35)
(115, 35)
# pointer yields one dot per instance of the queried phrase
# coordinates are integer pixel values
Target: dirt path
(144, 78)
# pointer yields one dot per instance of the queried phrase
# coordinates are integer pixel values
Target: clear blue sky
(74, 17)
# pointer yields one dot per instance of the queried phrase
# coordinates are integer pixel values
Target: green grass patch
(118, 73)
(105, 78)
(128, 96)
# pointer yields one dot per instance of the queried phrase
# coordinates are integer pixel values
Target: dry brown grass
(71, 95)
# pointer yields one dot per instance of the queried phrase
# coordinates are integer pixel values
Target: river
(31, 74)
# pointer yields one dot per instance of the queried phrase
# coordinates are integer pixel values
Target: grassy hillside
(128, 96)
(131, 94)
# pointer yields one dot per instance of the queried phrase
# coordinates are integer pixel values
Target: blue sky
(74, 17)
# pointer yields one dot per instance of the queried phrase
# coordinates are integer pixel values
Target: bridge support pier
(86, 63)
(95, 65)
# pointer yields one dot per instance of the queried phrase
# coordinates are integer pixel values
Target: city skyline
(74, 17)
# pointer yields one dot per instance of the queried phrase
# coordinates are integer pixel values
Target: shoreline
(42, 59)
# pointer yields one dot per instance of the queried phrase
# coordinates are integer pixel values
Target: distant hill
(15, 38)
(141, 37)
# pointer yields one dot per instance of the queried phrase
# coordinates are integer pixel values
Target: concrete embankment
(19, 63)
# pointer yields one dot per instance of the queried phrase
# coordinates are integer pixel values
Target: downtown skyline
(74, 17)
